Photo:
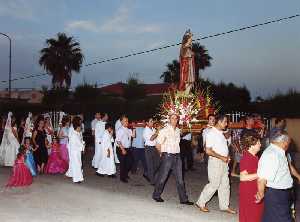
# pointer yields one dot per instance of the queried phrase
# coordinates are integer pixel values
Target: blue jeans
(170, 162)
(139, 155)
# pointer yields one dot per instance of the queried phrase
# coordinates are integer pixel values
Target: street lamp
(9, 72)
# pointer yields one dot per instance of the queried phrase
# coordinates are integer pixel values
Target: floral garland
(190, 107)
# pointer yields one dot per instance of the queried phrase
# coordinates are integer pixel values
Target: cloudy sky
(266, 59)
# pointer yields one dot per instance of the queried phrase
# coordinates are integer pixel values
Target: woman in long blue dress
(29, 161)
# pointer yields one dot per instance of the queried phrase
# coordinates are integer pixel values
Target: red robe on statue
(187, 72)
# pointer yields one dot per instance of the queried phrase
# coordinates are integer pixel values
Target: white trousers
(218, 181)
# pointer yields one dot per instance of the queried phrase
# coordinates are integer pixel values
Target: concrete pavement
(56, 198)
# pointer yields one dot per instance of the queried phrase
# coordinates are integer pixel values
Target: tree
(134, 89)
(172, 74)
(202, 61)
(202, 58)
(61, 56)
(56, 98)
(86, 93)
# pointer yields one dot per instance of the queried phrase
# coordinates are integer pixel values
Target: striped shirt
(169, 139)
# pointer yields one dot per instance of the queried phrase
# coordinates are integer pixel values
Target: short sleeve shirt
(147, 134)
(138, 141)
(124, 136)
(273, 166)
(216, 140)
(169, 139)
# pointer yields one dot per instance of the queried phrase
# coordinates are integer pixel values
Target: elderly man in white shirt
(123, 138)
(151, 153)
(168, 144)
(217, 168)
(275, 181)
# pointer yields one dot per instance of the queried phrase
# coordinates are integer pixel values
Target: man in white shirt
(118, 124)
(210, 123)
(217, 168)
(123, 138)
(151, 153)
(275, 181)
(168, 144)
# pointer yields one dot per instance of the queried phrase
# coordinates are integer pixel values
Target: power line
(198, 39)
(168, 46)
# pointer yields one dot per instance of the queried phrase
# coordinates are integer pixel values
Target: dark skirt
(41, 154)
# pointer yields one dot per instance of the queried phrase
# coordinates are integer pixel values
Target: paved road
(56, 199)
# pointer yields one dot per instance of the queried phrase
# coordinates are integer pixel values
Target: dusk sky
(265, 59)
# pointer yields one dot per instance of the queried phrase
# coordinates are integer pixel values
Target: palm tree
(61, 56)
(172, 74)
(202, 58)
(202, 61)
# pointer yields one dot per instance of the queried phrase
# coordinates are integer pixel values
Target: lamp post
(9, 71)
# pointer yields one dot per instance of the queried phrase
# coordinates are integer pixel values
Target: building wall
(293, 128)
(33, 96)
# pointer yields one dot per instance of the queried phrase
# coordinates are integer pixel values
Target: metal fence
(236, 116)
(56, 117)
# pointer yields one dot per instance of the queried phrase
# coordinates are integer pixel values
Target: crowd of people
(266, 171)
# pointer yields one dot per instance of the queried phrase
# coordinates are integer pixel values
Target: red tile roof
(116, 89)
(150, 89)
(156, 89)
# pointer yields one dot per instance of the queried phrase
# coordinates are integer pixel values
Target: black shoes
(187, 203)
(160, 200)
(124, 180)
(100, 175)
(112, 176)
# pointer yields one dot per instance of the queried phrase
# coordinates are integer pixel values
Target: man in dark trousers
(168, 145)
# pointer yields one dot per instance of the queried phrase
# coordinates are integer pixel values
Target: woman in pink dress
(63, 138)
(55, 162)
(21, 175)
(250, 211)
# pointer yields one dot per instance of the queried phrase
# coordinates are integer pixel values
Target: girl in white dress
(107, 163)
(28, 127)
(75, 147)
(9, 145)
(49, 130)
(63, 137)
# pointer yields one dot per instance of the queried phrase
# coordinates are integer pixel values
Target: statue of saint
(187, 63)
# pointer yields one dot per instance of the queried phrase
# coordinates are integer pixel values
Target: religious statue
(187, 63)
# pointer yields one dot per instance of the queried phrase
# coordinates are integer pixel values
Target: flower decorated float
(189, 101)
(192, 108)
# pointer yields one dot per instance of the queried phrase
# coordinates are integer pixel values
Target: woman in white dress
(75, 148)
(9, 145)
(107, 163)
